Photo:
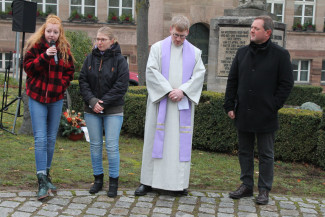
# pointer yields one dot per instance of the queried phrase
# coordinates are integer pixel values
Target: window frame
(82, 7)
(299, 71)
(4, 61)
(3, 3)
(322, 81)
(304, 3)
(272, 2)
(120, 8)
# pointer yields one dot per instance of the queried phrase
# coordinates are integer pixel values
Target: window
(47, 6)
(301, 70)
(199, 37)
(4, 61)
(304, 11)
(6, 5)
(323, 72)
(84, 7)
(276, 7)
(119, 7)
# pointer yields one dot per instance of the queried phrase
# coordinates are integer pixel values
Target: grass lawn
(71, 167)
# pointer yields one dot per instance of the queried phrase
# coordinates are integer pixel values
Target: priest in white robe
(174, 77)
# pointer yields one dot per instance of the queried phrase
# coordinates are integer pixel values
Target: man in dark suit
(259, 82)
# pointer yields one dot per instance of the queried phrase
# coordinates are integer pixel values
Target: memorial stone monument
(231, 31)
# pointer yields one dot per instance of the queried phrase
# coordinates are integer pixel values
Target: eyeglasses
(101, 39)
(177, 35)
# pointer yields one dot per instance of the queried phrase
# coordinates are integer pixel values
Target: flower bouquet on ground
(71, 123)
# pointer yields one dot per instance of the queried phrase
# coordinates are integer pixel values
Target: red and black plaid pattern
(46, 81)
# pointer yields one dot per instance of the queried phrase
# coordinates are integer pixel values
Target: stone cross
(256, 4)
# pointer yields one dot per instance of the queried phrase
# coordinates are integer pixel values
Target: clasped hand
(97, 108)
(176, 95)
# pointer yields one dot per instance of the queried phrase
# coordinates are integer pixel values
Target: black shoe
(142, 190)
(183, 193)
(113, 186)
(242, 191)
(263, 197)
(98, 184)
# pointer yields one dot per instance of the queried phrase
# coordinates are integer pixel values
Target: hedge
(301, 137)
(306, 93)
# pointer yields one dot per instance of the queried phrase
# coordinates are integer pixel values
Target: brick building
(307, 48)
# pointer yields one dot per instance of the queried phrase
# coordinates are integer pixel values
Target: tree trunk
(142, 7)
(26, 127)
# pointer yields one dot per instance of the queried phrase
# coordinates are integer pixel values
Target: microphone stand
(18, 98)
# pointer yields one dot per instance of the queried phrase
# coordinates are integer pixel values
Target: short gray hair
(181, 23)
(268, 22)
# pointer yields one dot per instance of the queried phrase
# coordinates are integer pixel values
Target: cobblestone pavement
(198, 203)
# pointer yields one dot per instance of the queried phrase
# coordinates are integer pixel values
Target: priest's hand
(176, 95)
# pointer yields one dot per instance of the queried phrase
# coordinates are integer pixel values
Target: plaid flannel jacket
(46, 81)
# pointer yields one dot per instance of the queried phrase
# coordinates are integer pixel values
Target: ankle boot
(49, 181)
(113, 185)
(98, 184)
(42, 186)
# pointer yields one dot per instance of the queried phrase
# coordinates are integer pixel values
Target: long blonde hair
(63, 44)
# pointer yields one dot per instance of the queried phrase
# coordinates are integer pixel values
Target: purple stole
(185, 115)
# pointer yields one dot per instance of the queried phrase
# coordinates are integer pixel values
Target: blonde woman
(46, 82)
(103, 83)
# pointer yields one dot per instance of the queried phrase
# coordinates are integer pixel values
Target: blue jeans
(112, 125)
(45, 121)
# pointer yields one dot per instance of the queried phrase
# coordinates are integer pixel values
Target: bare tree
(142, 8)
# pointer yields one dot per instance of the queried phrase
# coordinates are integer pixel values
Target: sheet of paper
(85, 130)
(183, 104)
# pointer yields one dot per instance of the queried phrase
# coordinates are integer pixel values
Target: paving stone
(82, 193)
(64, 193)
(47, 213)
(4, 212)
(77, 206)
(73, 212)
(215, 195)
(105, 199)
(225, 215)
(159, 215)
(227, 205)
(227, 200)
(269, 214)
(143, 204)
(119, 211)
(271, 208)
(101, 205)
(284, 212)
(312, 201)
(27, 194)
(206, 210)
(21, 214)
(145, 199)
(141, 210)
(296, 199)
(127, 199)
(197, 194)
(188, 200)
(226, 210)
(10, 204)
(137, 215)
(246, 214)
(84, 200)
(279, 198)
(183, 214)
(164, 203)
(162, 210)
(96, 211)
(8, 194)
(122, 204)
(306, 205)
(59, 201)
(246, 202)
(309, 215)
(20, 199)
(205, 215)
(130, 192)
(206, 205)
(33, 203)
(287, 205)
(186, 208)
(167, 197)
(52, 207)
(208, 200)
(323, 201)
(26, 208)
(247, 208)
(307, 210)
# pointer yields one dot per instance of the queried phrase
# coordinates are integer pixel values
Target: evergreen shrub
(77, 103)
(306, 93)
